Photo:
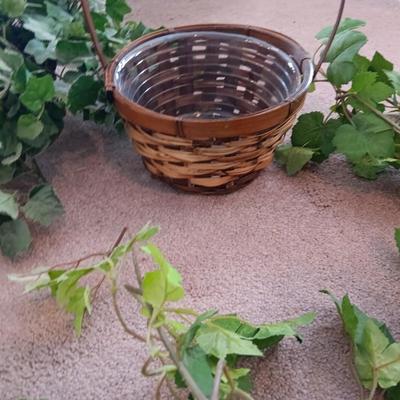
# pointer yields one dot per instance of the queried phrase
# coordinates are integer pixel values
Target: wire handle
(103, 60)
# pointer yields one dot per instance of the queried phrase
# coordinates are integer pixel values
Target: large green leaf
(29, 127)
(375, 353)
(72, 51)
(38, 91)
(84, 92)
(295, 158)
(43, 205)
(345, 46)
(15, 237)
(346, 25)
(41, 51)
(197, 363)
(117, 9)
(369, 136)
(219, 342)
(8, 205)
(43, 27)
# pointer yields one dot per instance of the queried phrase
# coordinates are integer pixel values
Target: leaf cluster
(362, 123)
(198, 351)
(376, 354)
(48, 67)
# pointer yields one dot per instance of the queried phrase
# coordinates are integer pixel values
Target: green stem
(217, 379)
(374, 385)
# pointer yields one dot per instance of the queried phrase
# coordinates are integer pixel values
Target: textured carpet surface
(264, 251)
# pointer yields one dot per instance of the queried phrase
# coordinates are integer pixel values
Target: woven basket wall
(206, 105)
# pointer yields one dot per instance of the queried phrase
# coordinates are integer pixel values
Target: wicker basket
(206, 105)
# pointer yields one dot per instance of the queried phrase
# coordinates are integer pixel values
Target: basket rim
(225, 127)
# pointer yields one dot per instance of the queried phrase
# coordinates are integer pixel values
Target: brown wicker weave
(206, 105)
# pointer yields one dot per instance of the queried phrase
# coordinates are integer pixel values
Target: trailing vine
(364, 121)
(198, 351)
(48, 68)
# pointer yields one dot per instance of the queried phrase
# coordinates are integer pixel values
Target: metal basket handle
(103, 60)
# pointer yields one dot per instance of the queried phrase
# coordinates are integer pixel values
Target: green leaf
(10, 62)
(363, 80)
(340, 56)
(72, 51)
(84, 92)
(162, 285)
(308, 130)
(8, 205)
(117, 9)
(369, 167)
(146, 233)
(58, 13)
(379, 63)
(40, 51)
(13, 157)
(393, 393)
(14, 237)
(298, 157)
(196, 362)
(376, 354)
(43, 205)
(346, 25)
(220, 342)
(394, 78)
(370, 136)
(29, 127)
(13, 8)
(38, 91)
(397, 237)
(6, 173)
(43, 27)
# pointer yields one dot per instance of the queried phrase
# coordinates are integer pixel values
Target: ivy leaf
(6, 173)
(41, 52)
(366, 87)
(369, 167)
(295, 158)
(15, 237)
(13, 8)
(394, 78)
(340, 56)
(43, 27)
(346, 25)
(117, 9)
(8, 205)
(43, 205)
(220, 342)
(196, 362)
(29, 127)
(163, 284)
(370, 136)
(72, 51)
(285, 328)
(84, 92)
(376, 354)
(397, 237)
(13, 157)
(38, 91)
(308, 130)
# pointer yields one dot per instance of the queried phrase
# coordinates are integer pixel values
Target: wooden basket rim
(225, 127)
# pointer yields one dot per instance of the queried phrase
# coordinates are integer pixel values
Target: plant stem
(217, 379)
(192, 385)
(159, 386)
(374, 385)
(128, 330)
(229, 377)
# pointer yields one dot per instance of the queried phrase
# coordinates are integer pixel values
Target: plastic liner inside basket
(208, 75)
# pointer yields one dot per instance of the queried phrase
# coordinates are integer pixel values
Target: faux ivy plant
(376, 354)
(364, 121)
(47, 67)
(187, 349)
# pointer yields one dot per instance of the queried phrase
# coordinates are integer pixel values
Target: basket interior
(207, 74)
